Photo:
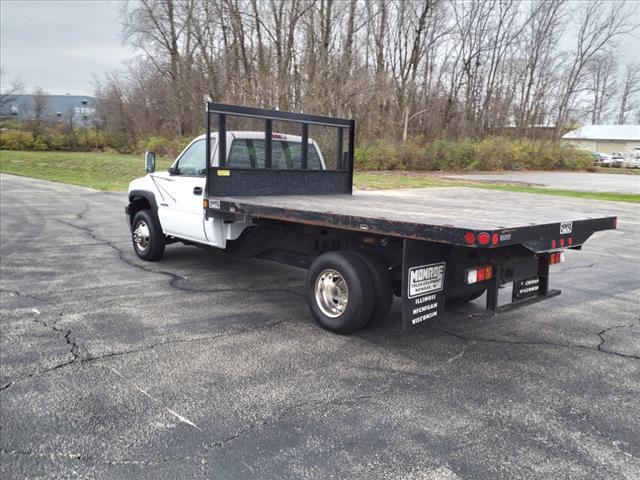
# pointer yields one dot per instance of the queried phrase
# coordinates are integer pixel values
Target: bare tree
(602, 72)
(402, 68)
(39, 112)
(630, 93)
(8, 93)
(600, 23)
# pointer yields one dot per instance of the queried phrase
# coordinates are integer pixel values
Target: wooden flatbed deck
(437, 214)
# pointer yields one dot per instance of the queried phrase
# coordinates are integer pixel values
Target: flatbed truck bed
(442, 214)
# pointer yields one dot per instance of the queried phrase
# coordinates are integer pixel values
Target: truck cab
(178, 193)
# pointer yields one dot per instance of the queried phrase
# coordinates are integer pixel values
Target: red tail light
(470, 238)
(484, 238)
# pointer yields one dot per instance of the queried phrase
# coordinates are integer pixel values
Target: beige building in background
(605, 138)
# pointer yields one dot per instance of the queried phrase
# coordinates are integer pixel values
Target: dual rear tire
(347, 291)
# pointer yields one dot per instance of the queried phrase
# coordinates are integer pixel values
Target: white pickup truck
(290, 199)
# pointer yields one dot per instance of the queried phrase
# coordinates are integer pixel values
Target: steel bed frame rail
(225, 181)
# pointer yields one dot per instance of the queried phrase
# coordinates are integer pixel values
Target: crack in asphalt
(576, 267)
(603, 340)
(83, 212)
(77, 359)
(597, 348)
(174, 277)
(267, 326)
(74, 351)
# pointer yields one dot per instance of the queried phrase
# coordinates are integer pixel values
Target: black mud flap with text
(423, 283)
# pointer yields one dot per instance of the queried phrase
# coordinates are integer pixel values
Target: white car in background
(617, 159)
(633, 159)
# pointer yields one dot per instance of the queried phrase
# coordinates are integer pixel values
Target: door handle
(197, 190)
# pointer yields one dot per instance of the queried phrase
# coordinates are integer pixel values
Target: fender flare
(150, 197)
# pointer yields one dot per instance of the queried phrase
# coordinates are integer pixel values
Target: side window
(192, 162)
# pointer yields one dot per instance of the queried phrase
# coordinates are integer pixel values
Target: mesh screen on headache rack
(247, 146)
(255, 151)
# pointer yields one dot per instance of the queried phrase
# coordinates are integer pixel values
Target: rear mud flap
(423, 282)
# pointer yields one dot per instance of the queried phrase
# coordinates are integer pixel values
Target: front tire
(148, 239)
(340, 292)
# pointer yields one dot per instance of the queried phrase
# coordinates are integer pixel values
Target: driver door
(180, 211)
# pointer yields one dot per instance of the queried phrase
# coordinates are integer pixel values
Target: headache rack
(278, 158)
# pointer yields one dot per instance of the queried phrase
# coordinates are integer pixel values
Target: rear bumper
(541, 291)
(523, 303)
(431, 274)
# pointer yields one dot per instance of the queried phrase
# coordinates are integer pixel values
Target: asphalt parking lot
(204, 366)
(578, 181)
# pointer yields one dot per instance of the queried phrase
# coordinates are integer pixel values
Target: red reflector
(495, 238)
(484, 238)
(570, 240)
(481, 274)
(470, 238)
(562, 242)
(553, 244)
(278, 135)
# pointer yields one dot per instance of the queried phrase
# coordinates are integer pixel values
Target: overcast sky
(62, 45)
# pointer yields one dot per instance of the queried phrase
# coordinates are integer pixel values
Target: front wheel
(148, 239)
(340, 292)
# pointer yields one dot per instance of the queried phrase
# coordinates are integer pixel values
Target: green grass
(112, 171)
(612, 197)
(390, 180)
(102, 171)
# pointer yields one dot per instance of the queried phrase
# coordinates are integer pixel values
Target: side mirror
(150, 162)
(172, 170)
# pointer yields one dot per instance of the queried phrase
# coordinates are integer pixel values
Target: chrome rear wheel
(332, 293)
